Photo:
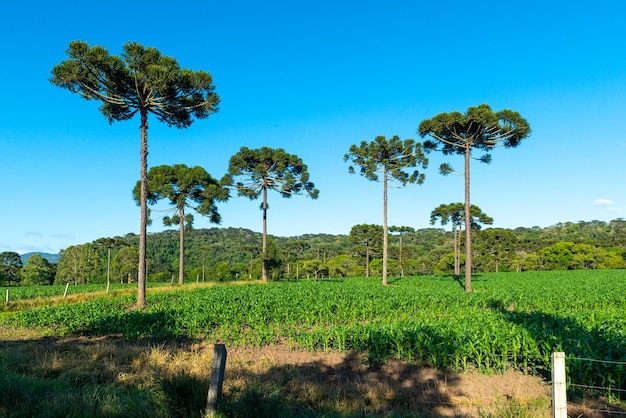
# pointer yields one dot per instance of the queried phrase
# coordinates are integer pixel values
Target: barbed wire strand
(596, 361)
(596, 387)
(608, 411)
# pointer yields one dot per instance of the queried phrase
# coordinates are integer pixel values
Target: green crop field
(511, 320)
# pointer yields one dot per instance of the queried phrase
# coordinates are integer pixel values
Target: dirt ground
(466, 394)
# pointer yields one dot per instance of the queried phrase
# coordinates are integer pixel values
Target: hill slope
(52, 258)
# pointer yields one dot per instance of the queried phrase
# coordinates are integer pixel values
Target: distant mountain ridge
(52, 258)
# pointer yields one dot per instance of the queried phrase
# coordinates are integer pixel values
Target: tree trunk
(468, 223)
(264, 249)
(108, 268)
(143, 230)
(181, 248)
(385, 232)
(367, 259)
(250, 270)
(457, 251)
(400, 258)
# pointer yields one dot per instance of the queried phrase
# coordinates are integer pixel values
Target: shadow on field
(96, 377)
(282, 386)
(132, 324)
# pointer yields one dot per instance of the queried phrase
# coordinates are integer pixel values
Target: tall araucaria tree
(455, 213)
(139, 81)
(184, 187)
(480, 129)
(252, 172)
(389, 157)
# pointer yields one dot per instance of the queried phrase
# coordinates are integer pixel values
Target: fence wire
(597, 388)
(603, 411)
(597, 361)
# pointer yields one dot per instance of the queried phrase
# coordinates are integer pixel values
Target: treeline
(220, 254)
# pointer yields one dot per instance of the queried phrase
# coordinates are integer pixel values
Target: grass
(32, 297)
(78, 377)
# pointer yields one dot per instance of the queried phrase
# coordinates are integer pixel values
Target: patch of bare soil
(386, 387)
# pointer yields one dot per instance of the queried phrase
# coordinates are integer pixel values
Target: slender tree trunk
(400, 261)
(367, 259)
(108, 268)
(468, 223)
(264, 249)
(250, 270)
(385, 232)
(143, 230)
(457, 251)
(181, 246)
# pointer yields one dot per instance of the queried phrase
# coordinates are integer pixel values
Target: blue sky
(314, 78)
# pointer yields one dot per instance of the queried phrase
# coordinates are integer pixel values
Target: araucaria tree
(369, 235)
(389, 158)
(455, 213)
(184, 187)
(255, 171)
(140, 81)
(480, 129)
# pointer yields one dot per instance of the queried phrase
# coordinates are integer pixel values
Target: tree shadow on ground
(346, 388)
(96, 377)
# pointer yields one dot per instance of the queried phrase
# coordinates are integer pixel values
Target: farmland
(510, 321)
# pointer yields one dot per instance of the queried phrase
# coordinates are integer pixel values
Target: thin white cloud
(603, 202)
(608, 205)
(36, 249)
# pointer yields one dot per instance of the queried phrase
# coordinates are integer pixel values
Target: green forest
(226, 254)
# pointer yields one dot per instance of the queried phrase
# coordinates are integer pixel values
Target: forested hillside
(234, 253)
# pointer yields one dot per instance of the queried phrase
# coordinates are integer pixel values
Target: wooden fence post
(559, 385)
(7, 296)
(217, 378)
(67, 286)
